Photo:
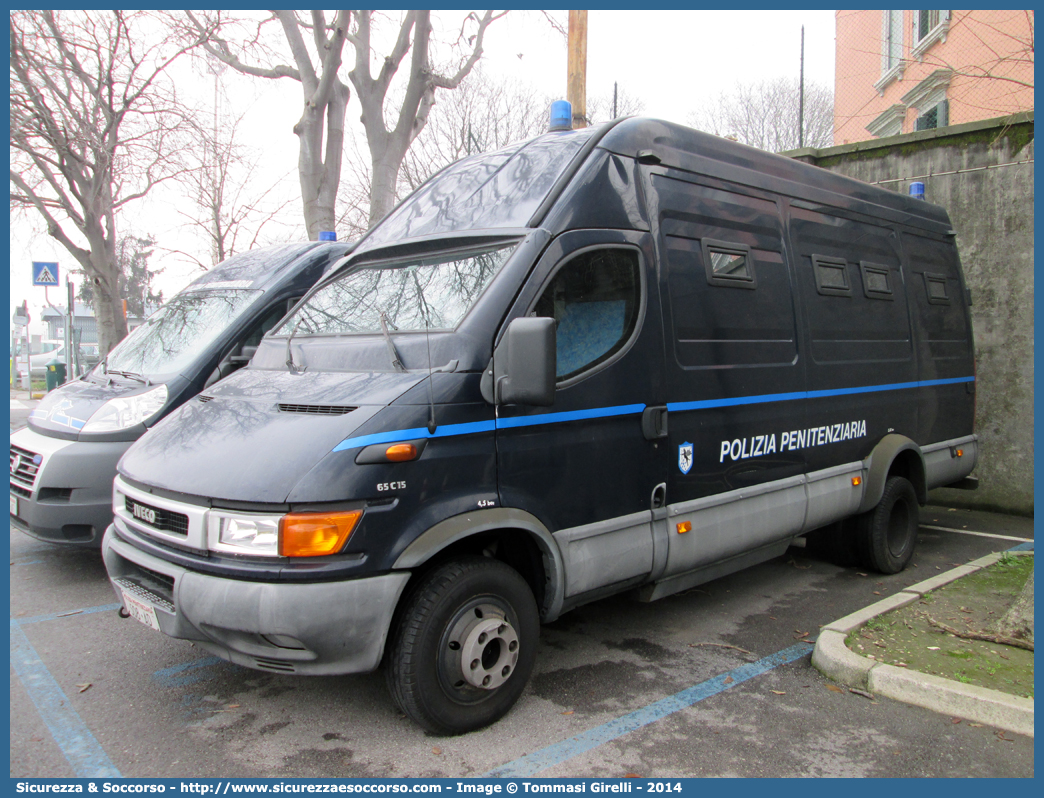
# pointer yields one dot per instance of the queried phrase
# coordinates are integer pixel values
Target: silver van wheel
(464, 645)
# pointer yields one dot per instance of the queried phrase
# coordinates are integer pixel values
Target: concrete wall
(992, 212)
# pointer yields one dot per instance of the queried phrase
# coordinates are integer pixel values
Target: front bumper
(67, 497)
(316, 628)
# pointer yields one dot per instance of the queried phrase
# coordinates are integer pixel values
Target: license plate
(140, 611)
(14, 504)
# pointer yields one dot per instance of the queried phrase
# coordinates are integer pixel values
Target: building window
(889, 123)
(929, 99)
(937, 116)
(891, 48)
(929, 27)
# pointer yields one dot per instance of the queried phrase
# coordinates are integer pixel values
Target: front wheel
(464, 646)
(887, 534)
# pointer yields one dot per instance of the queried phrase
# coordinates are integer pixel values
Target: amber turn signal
(684, 526)
(401, 452)
(315, 534)
(857, 481)
(960, 452)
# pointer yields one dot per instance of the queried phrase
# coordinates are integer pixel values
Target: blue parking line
(531, 764)
(1027, 546)
(69, 614)
(83, 752)
(184, 674)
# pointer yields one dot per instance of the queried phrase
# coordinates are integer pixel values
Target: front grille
(18, 490)
(157, 518)
(204, 398)
(316, 410)
(25, 466)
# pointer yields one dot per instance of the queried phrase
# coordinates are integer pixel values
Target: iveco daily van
(629, 357)
(63, 463)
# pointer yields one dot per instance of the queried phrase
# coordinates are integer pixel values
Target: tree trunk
(1018, 620)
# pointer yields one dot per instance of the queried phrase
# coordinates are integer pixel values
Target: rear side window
(728, 264)
(877, 282)
(595, 299)
(936, 288)
(831, 276)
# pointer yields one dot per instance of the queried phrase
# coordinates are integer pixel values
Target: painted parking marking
(976, 534)
(531, 764)
(186, 673)
(83, 752)
(66, 614)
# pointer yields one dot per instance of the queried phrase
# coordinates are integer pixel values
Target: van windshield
(433, 293)
(177, 333)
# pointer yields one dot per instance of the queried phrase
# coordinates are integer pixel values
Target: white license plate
(14, 504)
(140, 611)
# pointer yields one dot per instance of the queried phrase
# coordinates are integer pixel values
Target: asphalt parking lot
(705, 683)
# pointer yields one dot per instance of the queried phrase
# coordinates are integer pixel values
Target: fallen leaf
(772, 618)
(955, 721)
(952, 510)
(975, 725)
(863, 693)
(933, 648)
(570, 712)
(84, 687)
(729, 680)
(631, 776)
(436, 751)
(834, 688)
(233, 706)
(859, 573)
(779, 692)
(877, 592)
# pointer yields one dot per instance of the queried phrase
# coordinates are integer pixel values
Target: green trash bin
(55, 374)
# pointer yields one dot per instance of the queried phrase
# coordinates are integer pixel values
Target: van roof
(514, 187)
(255, 268)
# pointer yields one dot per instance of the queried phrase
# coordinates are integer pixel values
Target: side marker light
(684, 526)
(857, 481)
(401, 452)
(960, 452)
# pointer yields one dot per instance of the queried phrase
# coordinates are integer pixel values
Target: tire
(887, 534)
(464, 646)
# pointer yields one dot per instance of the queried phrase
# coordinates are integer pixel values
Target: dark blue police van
(633, 357)
(64, 461)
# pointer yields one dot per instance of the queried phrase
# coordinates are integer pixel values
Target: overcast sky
(674, 61)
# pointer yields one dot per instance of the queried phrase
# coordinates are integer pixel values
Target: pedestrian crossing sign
(45, 273)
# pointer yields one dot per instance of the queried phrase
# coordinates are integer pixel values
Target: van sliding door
(592, 466)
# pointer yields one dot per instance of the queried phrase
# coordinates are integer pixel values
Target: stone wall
(982, 173)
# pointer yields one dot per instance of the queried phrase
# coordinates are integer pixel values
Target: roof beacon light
(917, 190)
(327, 235)
(561, 115)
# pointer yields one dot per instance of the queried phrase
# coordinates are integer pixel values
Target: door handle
(654, 422)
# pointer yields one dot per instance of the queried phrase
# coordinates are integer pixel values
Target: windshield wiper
(131, 375)
(395, 359)
(294, 369)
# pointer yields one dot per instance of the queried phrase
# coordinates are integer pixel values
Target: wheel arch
(894, 455)
(522, 542)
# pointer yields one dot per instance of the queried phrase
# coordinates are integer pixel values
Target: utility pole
(576, 85)
(801, 94)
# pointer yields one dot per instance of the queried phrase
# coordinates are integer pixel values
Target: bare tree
(233, 204)
(136, 278)
(94, 126)
(482, 115)
(600, 106)
(389, 133)
(765, 115)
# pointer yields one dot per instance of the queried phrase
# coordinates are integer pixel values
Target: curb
(982, 705)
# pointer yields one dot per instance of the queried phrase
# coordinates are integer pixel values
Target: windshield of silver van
(176, 334)
(433, 293)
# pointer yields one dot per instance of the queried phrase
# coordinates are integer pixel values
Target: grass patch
(905, 637)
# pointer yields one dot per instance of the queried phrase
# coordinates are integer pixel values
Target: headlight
(244, 534)
(125, 412)
(292, 535)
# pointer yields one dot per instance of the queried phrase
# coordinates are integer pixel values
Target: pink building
(901, 71)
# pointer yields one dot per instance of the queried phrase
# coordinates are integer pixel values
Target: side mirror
(522, 371)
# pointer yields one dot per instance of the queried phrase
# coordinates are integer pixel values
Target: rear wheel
(464, 646)
(887, 534)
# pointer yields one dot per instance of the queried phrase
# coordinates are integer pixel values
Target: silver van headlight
(244, 534)
(125, 412)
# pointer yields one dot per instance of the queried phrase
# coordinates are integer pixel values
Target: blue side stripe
(787, 397)
(445, 431)
(531, 764)
(395, 436)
